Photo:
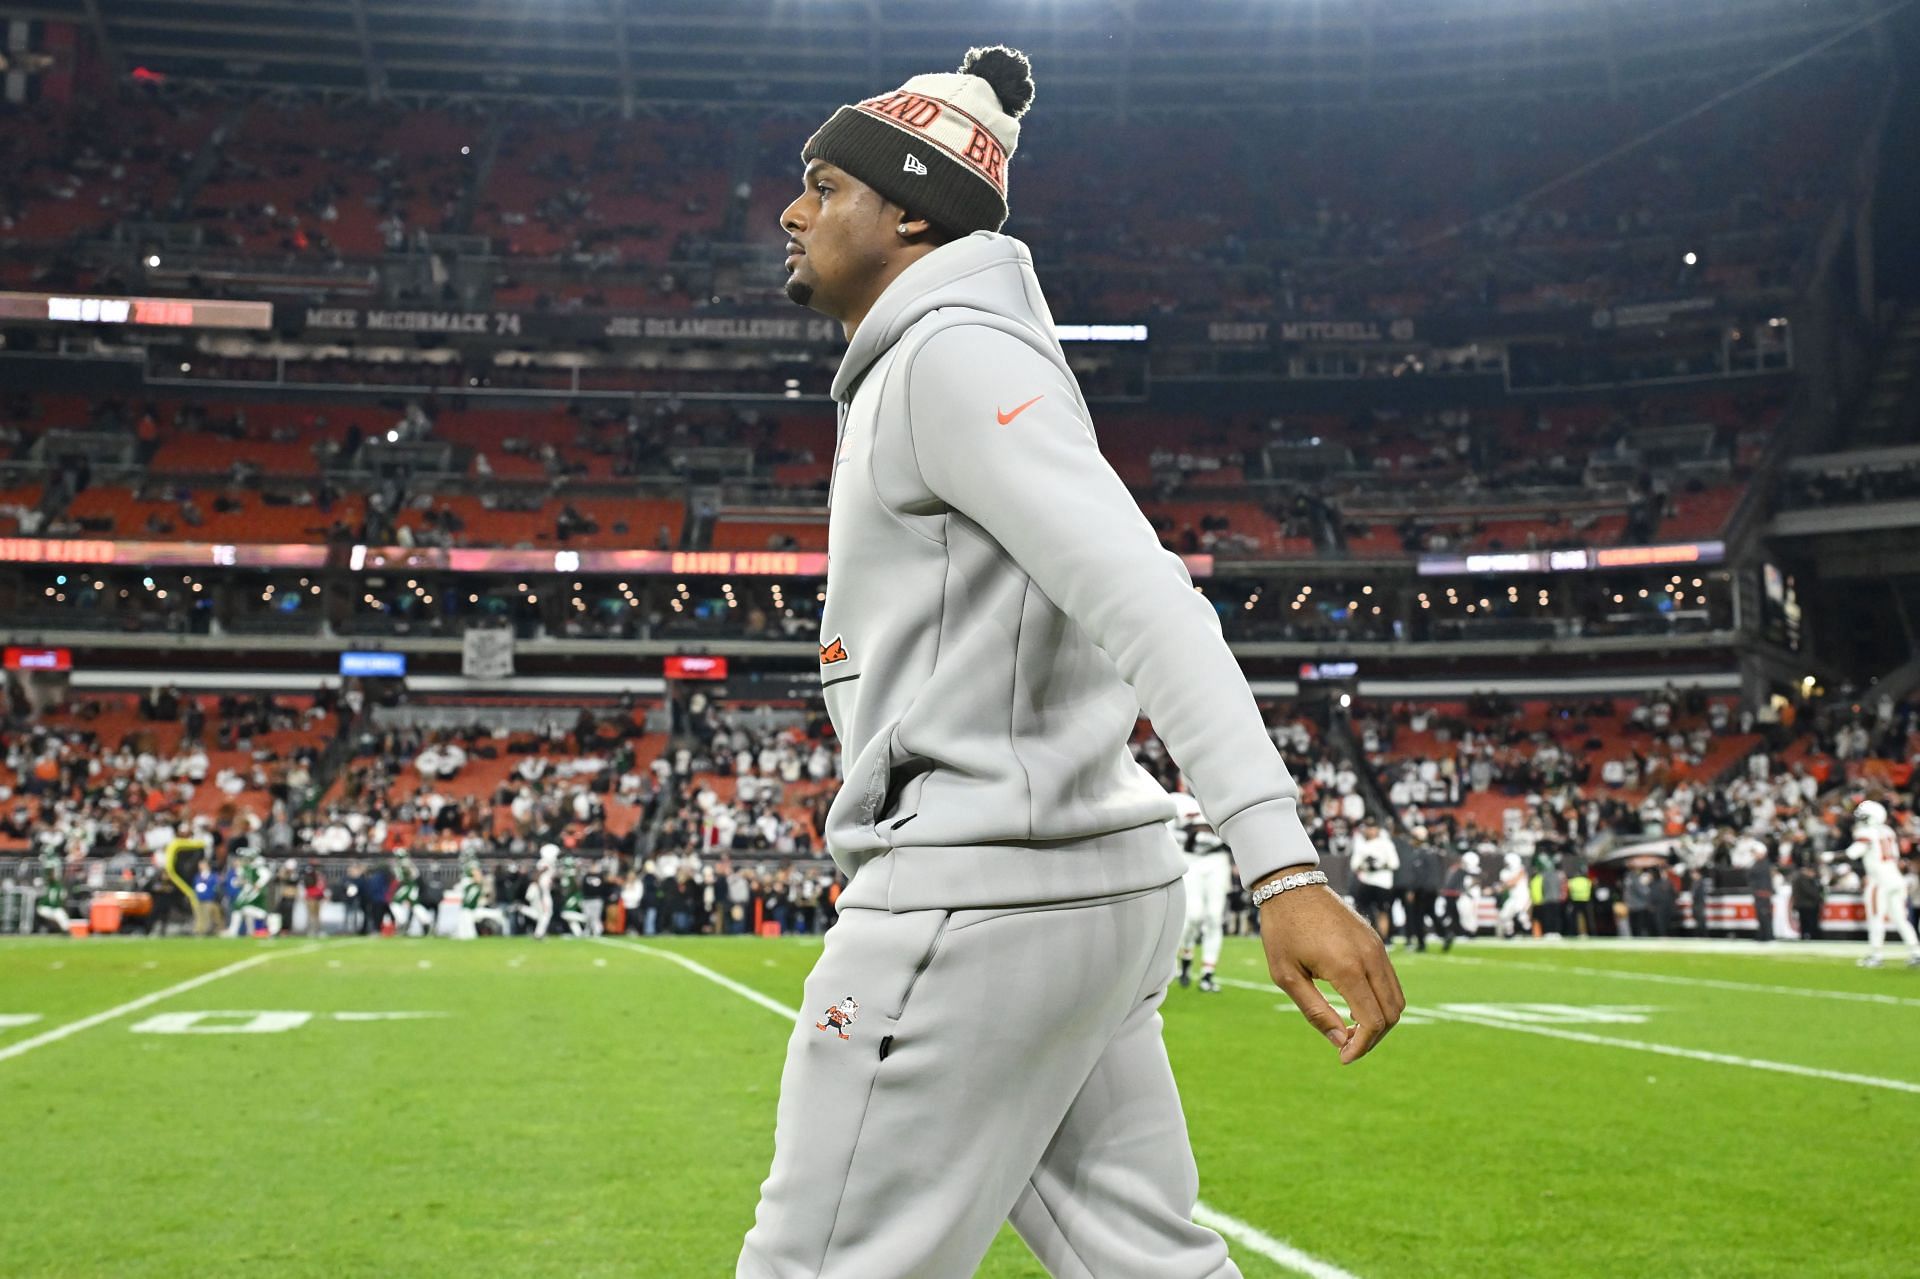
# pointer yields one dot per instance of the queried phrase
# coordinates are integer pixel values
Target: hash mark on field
(1275, 1250)
(1707, 983)
(12, 1021)
(135, 1005)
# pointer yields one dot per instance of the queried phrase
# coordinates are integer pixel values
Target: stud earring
(903, 228)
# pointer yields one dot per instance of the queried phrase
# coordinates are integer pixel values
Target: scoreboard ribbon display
(168, 313)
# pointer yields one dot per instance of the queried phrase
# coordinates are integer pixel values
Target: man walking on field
(998, 613)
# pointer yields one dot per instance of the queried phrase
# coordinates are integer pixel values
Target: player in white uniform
(539, 904)
(1877, 849)
(1209, 879)
(1516, 897)
(1374, 859)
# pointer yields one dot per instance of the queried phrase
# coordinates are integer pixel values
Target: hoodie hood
(984, 271)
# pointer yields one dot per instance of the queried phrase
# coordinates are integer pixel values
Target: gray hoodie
(999, 612)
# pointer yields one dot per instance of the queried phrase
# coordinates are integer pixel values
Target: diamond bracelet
(1267, 892)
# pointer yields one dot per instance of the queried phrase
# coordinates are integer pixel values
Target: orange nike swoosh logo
(1008, 417)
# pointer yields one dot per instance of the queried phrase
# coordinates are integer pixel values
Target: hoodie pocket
(892, 787)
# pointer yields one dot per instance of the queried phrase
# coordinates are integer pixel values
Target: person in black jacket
(1702, 888)
(1808, 895)
(1453, 893)
(1760, 879)
(1425, 875)
(509, 890)
(1662, 903)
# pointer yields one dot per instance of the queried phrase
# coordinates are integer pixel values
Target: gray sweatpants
(1002, 1064)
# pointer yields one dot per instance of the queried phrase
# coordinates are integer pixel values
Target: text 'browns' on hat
(938, 146)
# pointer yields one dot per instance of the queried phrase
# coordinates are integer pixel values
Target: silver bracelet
(1300, 879)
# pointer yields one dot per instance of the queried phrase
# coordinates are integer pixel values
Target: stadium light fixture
(153, 259)
(1691, 259)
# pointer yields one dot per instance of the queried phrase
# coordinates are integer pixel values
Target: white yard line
(1707, 983)
(1669, 1050)
(1277, 1251)
(1789, 950)
(1252, 1239)
(745, 992)
(133, 1006)
(1444, 1012)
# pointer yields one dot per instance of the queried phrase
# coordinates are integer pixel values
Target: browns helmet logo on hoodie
(833, 651)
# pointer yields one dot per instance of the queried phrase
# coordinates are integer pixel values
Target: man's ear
(907, 227)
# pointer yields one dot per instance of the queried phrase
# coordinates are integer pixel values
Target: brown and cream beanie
(938, 146)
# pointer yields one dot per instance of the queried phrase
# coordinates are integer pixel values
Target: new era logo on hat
(913, 165)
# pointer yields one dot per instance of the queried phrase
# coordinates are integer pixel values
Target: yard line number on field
(1249, 1237)
(1692, 1054)
(1705, 983)
(135, 1005)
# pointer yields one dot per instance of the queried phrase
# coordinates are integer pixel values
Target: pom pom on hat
(1008, 71)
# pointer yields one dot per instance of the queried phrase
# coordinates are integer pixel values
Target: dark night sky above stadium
(1897, 218)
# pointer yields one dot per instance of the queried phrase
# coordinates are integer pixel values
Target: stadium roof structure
(1125, 56)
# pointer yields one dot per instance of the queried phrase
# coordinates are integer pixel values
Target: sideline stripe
(1275, 1250)
(1668, 1050)
(1249, 1237)
(134, 1006)
(1709, 983)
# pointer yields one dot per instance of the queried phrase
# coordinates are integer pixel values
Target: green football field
(595, 1108)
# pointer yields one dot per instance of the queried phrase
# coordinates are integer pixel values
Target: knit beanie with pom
(937, 146)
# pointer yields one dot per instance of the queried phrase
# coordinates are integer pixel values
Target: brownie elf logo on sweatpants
(840, 1016)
